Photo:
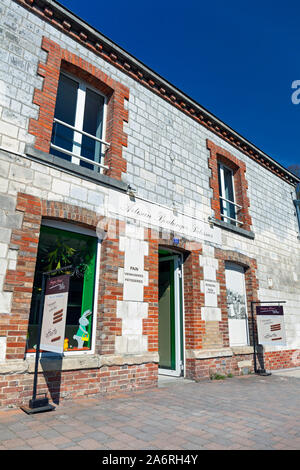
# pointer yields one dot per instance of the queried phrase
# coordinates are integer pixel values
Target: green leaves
(60, 256)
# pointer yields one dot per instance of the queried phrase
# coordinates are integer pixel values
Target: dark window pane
(65, 110)
(228, 207)
(228, 184)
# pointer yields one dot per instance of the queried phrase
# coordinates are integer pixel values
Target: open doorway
(170, 324)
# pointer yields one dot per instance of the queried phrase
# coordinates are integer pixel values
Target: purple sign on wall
(269, 310)
(270, 325)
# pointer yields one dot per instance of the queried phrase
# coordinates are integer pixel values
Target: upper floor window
(229, 209)
(297, 205)
(79, 123)
(230, 202)
(88, 108)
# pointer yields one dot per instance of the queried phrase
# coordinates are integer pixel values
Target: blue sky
(237, 59)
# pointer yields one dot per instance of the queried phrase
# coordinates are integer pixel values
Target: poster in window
(54, 314)
(236, 303)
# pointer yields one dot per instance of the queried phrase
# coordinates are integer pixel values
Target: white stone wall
(132, 309)
(166, 161)
(209, 285)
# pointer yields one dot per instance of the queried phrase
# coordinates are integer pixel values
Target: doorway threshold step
(169, 381)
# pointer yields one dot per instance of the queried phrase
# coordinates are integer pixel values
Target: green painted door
(166, 326)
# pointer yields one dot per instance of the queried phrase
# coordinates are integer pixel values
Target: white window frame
(229, 265)
(78, 125)
(297, 206)
(223, 198)
(77, 229)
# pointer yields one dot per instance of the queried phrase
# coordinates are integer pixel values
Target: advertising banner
(55, 313)
(270, 325)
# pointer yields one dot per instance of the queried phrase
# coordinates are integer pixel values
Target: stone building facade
(180, 222)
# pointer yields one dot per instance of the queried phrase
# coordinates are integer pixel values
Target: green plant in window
(81, 262)
(60, 256)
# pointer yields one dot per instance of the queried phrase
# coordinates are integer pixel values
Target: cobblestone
(180, 415)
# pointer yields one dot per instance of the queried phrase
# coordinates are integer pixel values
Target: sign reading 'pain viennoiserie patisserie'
(54, 314)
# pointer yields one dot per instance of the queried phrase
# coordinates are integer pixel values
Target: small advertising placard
(54, 314)
(270, 325)
(134, 275)
(269, 310)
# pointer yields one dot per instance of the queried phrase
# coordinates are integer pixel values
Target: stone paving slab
(249, 412)
(295, 372)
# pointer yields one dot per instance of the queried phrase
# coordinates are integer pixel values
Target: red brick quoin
(218, 154)
(193, 297)
(60, 59)
(197, 369)
(251, 284)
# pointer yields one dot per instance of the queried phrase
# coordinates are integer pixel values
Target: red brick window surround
(20, 281)
(218, 155)
(58, 60)
(251, 285)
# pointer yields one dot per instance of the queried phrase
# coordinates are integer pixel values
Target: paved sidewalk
(295, 372)
(248, 412)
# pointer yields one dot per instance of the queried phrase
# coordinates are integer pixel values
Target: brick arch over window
(60, 59)
(251, 283)
(19, 281)
(220, 155)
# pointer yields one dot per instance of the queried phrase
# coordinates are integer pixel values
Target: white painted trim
(168, 372)
(83, 231)
(80, 157)
(233, 265)
(79, 116)
(231, 202)
(95, 308)
(82, 132)
(69, 227)
(177, 316)
(177, 312)
(222, 166)
(183, 316)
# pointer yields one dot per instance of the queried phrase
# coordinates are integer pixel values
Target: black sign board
(58, 284)
(269, 310)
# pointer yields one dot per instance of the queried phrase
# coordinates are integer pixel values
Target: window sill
(72, 168)
(87, 361)
(232, 228)
(62, 363)
(221, 352)
(241, 350)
